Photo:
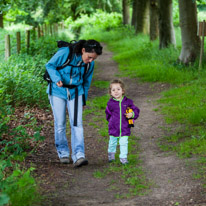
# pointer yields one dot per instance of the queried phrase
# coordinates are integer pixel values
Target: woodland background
(156, 41)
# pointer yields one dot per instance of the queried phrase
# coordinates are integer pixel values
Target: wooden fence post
(27, 39)
(57, 28)
(51, 32)
(7, 47)
(201, 32)
(45, 29)
(39, 32)
(18, 42)
(33, 33)
(62, 25)
(42, 30)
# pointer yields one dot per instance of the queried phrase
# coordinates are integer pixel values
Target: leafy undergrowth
(20, 135)
(22, 89)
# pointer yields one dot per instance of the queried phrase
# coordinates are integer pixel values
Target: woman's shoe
(64, 160)
(80, 162)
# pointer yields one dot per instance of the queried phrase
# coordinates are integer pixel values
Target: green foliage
(189, 99)
(48, 11)
(138, 57)
(19, 188)
(98, 174)
(175, 13)
(20, 138)
(21, 80)
(17, 185)
(101, 84)
(97, 21)
(21, 76)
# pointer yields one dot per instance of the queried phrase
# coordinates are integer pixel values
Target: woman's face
(88, 57)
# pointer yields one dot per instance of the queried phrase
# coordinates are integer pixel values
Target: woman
(69, 89)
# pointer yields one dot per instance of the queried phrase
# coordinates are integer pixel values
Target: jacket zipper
(120, 126)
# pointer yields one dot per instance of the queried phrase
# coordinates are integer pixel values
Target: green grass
(101, 84)
(132, 174)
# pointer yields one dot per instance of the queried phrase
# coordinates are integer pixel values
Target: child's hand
(129, 115)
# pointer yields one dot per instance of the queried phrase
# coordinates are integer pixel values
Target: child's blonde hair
(117, 81)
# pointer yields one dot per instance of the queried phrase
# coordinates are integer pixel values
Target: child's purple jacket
(115, 115)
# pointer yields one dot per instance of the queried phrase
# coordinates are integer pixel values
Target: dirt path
(172, 179)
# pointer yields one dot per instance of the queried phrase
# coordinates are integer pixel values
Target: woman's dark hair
(91, 46)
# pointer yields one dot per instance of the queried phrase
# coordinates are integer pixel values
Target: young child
(118, 117)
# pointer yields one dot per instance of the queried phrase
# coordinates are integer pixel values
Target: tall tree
(188, 24)
(140, 17)
(166, 28)
(154, 23)
(125, 11)
(1, 20)
(4, 7)
(134, 14)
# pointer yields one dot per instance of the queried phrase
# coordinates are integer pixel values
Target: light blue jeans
(77, 137)
(123, 143)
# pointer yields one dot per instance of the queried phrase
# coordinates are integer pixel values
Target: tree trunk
(1, 20)
(125, 10)
(188, 23)
(166, 28)
(134, 14)
(142, 10)
(154, 29)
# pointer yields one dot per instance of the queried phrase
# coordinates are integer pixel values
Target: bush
(19, 188)
(98, 21)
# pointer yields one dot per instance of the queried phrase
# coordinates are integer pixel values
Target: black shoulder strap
(69, 58)
(86, 68)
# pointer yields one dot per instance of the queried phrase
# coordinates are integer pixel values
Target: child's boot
(111, 156)
(124, 161)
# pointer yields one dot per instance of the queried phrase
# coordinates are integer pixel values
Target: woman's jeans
(77, 137)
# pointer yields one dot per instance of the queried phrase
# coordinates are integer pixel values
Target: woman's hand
(59, 84)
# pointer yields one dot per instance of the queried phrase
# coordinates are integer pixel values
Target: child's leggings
(123, 143)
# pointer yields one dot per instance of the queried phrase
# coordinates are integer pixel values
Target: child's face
(117, 91)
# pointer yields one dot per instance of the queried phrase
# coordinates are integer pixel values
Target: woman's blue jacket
(69, 75)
